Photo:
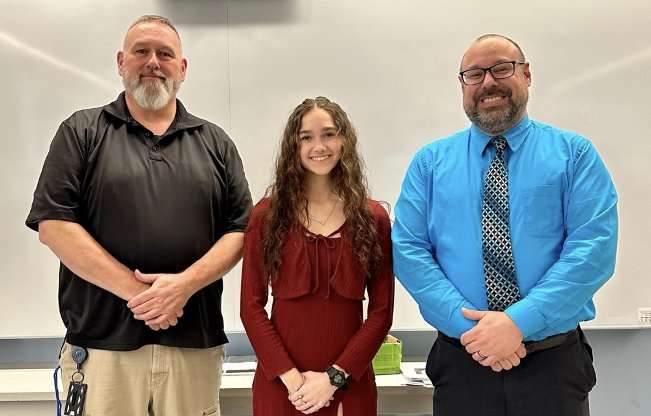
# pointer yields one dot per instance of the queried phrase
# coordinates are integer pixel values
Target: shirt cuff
(526, 317)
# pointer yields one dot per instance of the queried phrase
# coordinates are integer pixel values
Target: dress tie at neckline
(330, 243)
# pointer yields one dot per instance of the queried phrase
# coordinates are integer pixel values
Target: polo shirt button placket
(154, 150)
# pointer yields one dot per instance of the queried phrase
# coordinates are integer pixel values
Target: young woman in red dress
(319, 243)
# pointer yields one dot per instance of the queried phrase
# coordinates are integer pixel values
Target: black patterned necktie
(499, 267)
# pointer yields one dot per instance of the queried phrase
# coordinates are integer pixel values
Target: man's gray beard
(497, 122)
(150, 95)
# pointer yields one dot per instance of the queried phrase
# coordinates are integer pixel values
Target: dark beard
(495, 122)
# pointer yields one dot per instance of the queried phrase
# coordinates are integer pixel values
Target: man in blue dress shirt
(503, 233)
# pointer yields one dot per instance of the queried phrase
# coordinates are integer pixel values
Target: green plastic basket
(387, 360)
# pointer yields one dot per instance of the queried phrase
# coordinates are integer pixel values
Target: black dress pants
(551, 382)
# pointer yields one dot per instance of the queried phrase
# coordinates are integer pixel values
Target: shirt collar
(515, 136)
(182, 120)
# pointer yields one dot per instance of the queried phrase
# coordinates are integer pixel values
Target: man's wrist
(136, 287)
(192, 281)
(514, 326)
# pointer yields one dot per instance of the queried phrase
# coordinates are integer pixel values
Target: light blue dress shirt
(563, 219)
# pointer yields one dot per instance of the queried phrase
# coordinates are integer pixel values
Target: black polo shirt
(157, 204)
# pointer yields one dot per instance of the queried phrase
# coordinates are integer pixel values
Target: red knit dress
(317, 314)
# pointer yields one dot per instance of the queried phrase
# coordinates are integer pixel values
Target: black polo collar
(182, 120)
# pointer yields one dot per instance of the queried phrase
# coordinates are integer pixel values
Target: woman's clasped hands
(315, 393)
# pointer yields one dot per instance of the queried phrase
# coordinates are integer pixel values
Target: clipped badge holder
(77, 389)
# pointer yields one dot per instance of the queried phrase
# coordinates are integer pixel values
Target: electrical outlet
(644, 315)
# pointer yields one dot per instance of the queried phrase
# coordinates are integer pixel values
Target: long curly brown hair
(288, 201)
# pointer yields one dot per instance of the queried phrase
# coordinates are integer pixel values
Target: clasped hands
(495, 341)
(160, 305)
(309, 393)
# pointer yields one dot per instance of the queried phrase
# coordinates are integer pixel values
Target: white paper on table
(414, 374)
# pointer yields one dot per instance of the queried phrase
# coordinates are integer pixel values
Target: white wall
(391, 65)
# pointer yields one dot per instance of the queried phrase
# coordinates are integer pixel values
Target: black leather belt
(531, 346)
(551, 342)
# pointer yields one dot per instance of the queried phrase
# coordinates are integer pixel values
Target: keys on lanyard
(77, 389)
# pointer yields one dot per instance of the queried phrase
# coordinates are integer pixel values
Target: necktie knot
(499, 143)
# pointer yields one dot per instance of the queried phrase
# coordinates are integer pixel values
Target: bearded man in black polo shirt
(144, 204)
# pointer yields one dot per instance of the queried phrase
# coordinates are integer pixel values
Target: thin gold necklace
(324, 222)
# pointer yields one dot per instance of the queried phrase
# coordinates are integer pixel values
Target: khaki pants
(151, 381)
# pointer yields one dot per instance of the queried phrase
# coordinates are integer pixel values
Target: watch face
(337, 378)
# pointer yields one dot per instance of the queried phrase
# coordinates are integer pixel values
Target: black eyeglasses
(498, 71)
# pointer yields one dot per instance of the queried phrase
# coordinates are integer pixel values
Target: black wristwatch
(337, 377)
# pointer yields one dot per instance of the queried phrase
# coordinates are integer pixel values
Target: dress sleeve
(269, 349)
(363, 346)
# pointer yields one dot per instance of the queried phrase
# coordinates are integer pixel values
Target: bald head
(495, 39)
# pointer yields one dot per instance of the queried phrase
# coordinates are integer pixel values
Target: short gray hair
(147, 18)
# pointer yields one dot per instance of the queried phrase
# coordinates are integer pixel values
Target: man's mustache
(479, 95)
(154, 74)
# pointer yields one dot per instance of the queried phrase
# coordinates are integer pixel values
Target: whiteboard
(391, 65)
